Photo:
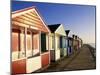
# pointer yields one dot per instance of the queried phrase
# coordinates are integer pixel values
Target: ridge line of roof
(23, 9)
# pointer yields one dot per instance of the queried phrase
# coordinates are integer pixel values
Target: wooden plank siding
(31, 19)
(15, 41)
(19, 67)
(45, 59)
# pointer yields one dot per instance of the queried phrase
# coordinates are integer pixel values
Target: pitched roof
(53, 27)
(70, 38)
(27, 11)
(67, 31)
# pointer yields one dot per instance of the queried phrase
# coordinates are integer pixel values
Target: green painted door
(43, 42)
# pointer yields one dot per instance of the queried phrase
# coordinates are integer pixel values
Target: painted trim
(33, 27)
(45, 53)
(40, 42)
(57, 28)
(21, 11)
(60, 28)
(16, 52)
(25, 37)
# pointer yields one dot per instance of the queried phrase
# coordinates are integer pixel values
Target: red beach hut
(30, 41)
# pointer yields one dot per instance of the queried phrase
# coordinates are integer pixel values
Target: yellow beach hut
(57, 42)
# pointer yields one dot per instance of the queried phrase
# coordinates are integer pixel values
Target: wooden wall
(19, 66)
(45, 59)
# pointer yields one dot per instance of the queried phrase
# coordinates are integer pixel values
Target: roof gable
(67, 32)
(53, 27)
(61, 30)
(30, 17)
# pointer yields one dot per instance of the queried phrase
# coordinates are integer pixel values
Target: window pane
(35, 44)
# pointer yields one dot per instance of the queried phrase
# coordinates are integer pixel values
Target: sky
(79, 19)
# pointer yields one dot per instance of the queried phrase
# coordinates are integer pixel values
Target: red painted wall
(45, 59)
(19, 66)
(15, 40)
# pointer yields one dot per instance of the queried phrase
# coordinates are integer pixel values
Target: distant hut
(67, 42)
(75, 42)
(80, 42)
(73, 36)
(57, 39)
(30, 44)
(70, 46)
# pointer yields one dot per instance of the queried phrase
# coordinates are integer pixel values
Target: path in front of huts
(80, 60)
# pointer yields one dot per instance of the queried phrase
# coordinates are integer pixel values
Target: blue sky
(80, 19)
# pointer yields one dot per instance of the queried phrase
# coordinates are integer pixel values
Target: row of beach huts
(35, 45)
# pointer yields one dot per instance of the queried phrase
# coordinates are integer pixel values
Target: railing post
(25, 42)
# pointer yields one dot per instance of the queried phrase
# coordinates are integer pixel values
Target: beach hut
(30, 41)
(57, 39)
(75, 42)
(69, 46)
(80, 42)
(67, 41)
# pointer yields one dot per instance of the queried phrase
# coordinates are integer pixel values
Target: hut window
(43, 42)
(18, 49)
(35, 43)
(32, 44)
